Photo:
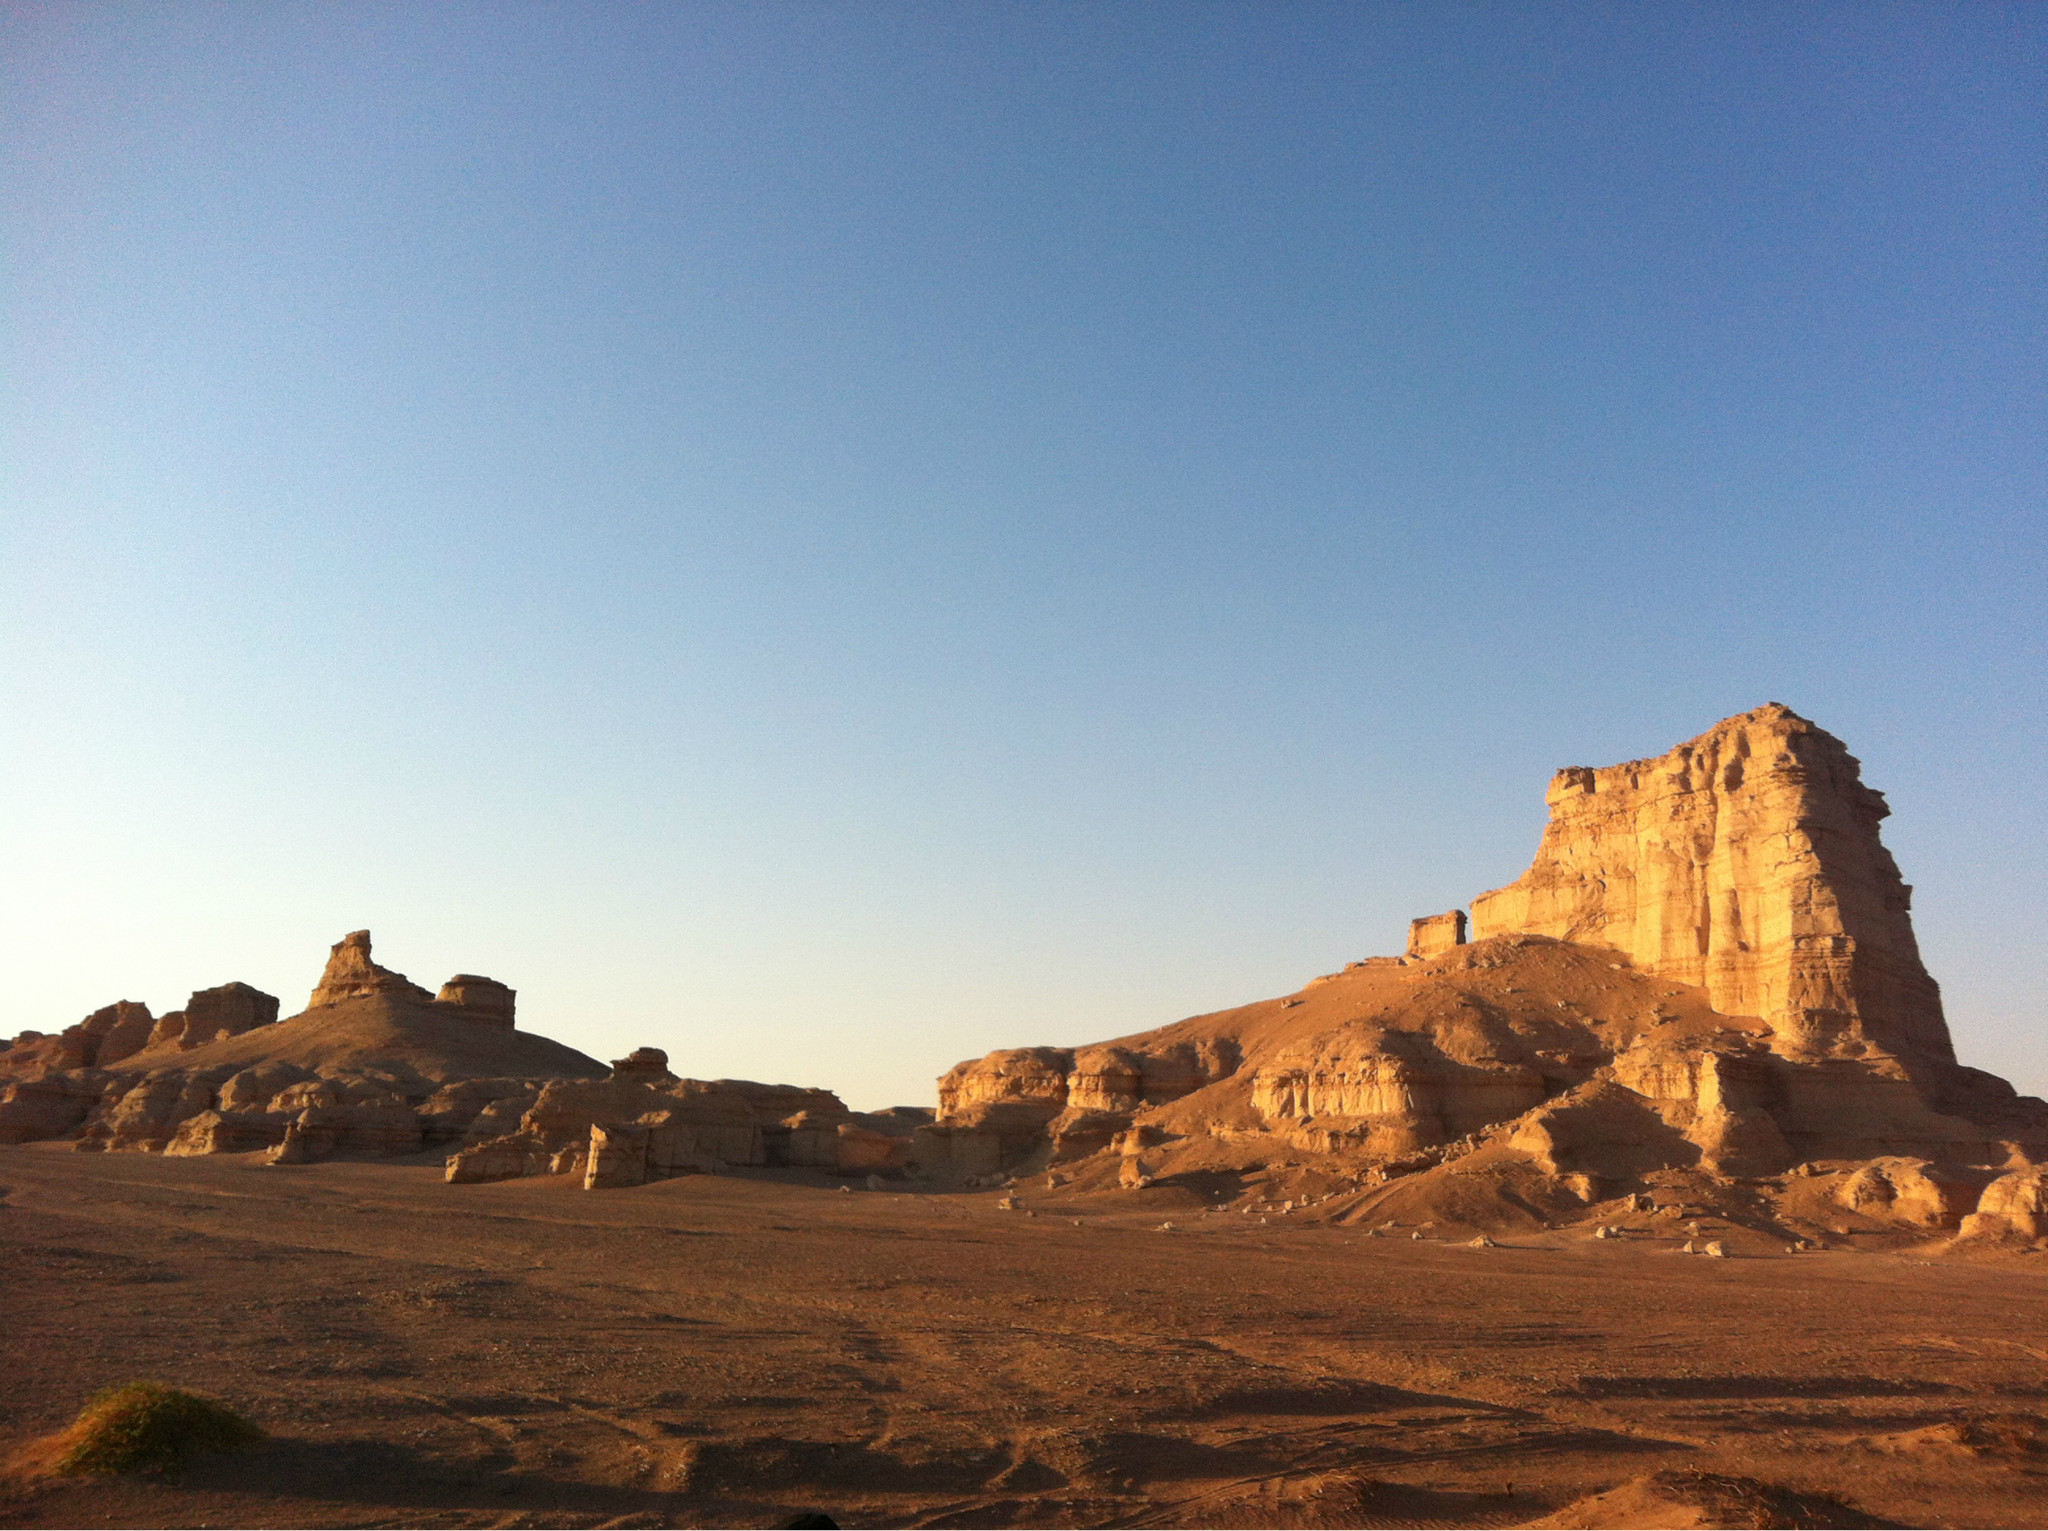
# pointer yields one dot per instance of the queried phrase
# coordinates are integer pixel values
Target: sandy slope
(375, 1032)
(733, 1350)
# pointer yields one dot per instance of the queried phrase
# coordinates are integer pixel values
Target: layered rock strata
(1436, 933)
(485, 1000)
(996, 1109)
(100, 1040)
(1746, 862)
(209, 1016)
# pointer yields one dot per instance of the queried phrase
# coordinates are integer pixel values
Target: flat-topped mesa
(350, 974)
(1746, 861)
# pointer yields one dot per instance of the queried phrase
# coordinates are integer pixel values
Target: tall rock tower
(1746, 861)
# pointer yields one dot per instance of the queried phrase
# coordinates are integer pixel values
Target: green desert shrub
(147, 1425)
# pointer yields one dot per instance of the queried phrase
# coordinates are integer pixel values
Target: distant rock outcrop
(642, 1123)
(212, 1015)
(486, 1001)
(1704, 994)
(1709, 973)
(102, 1038)
(374, 1065)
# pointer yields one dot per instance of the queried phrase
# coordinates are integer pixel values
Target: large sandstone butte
(1705, 991)
(1747, 863)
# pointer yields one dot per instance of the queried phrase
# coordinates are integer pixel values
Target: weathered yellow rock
(643, 1124)
(483, 1000)
(2015, 1203)
(51, 1107)
(142, 1116)
(1746, 861)
(617, 1157)
(1709, 973)
(1398, 1090)
(1436, 933)
(1908, 1191)
(217, 1132)
(212, 1015)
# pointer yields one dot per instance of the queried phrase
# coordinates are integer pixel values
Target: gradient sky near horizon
(832, 538)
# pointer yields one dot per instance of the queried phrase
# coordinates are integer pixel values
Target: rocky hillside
(373, 1063)
(377, 1065)
(1705, 990)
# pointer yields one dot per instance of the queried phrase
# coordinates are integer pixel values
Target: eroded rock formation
(210, 1015)
(642, 1123)
(486, 1001)
(1746, 862)
(1436, 933)
(101, 1039)
(376, 1065)
(350, 974)
(1709, 973)
(1704, 992)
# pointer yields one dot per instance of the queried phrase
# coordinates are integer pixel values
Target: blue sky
(830, 538)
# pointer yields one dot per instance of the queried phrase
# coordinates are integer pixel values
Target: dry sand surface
(738, 1350)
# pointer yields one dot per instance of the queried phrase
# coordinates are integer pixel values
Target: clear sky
(832, 537)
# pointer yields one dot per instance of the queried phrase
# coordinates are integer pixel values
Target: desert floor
(740, 1350)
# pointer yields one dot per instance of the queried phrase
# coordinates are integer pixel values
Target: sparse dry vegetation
(138, 1427)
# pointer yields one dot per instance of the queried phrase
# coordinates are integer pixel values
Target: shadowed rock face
(1747, 862)
(487, 1001)
(127, 1031)
(106, 1036)
(212, 1014)
(645, 1124)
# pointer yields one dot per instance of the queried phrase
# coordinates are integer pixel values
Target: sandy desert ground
(738, 1350)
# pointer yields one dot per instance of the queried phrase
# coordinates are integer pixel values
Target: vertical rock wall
(1746, 861)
